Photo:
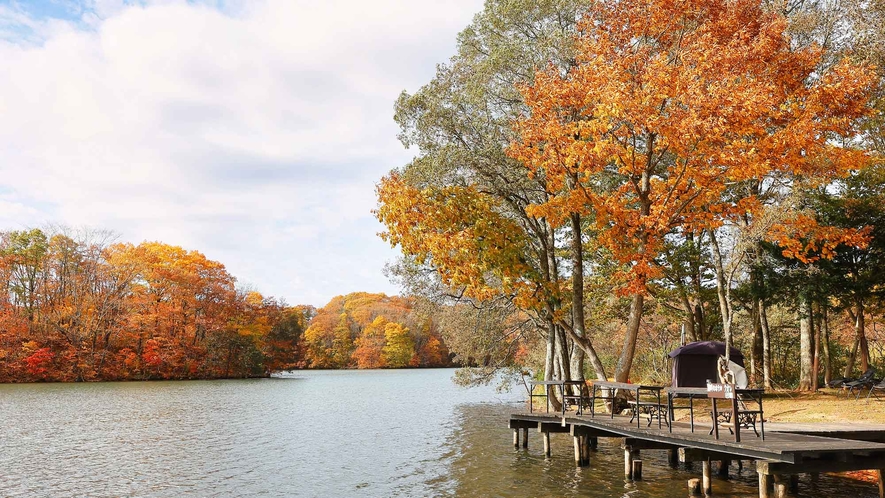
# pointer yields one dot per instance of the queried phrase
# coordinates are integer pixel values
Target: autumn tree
(77, 308)
(668, 106)
(399, 348)
(357, 329)
(487, 251)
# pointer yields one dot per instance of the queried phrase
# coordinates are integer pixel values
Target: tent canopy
(715, 348)
(696, 362)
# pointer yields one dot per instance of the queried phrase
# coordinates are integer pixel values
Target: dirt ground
(826, 405)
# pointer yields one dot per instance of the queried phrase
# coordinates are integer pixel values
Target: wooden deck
(854, 430)
(788, 449)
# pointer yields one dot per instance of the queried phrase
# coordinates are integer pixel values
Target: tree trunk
(724, 294)
(689, 322)
(550, 358)
(766, 345)
(816, 334)
(825, 325)
(756, 349)
(562, 356)
(849, 364)
(806, 341)
(697, 282)
(577, 356)
(861, 334)
(577, 368)
(625, 362)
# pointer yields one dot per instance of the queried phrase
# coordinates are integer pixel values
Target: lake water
(314, 434)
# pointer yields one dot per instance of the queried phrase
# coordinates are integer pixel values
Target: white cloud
(254, 133)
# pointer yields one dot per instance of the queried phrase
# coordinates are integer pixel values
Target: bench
(746, 419)
(650, 408)
(739, 415)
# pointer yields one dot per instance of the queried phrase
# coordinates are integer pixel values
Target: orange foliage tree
(77, 308)
(671, 105)
(366, 330)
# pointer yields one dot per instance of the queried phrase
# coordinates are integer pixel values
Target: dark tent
(695, 362)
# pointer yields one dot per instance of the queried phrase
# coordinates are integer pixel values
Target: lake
(372, 433)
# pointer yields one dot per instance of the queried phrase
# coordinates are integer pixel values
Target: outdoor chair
(837, 383)
(880, 386)
(746, 416)
(862, 383)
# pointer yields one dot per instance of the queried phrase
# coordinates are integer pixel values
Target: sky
(251, 131)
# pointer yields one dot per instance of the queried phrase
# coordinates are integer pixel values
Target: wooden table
(562, 384)
(685, 392)
(732, 394)
(638, 390)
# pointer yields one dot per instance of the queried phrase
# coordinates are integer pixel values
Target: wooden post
(780, 486)
(707, 481)
(525, 438)
(628, 463)
(764, 484)
(579, 457)
(794, 484)
(637, 470)
(516, 438)
(694, 487)
(585, 447)
(673, 457)
(546, 437)
(594, 442)
(723, 468)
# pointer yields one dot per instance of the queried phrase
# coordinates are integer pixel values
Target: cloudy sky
(251, 131)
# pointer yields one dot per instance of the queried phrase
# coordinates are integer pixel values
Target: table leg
(736, 419)
(637, 409)
(611, 394)
(715, 420)
(659, 409)
(691, 412)
(562, 391)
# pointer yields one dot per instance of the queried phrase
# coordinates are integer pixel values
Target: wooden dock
(786, 451)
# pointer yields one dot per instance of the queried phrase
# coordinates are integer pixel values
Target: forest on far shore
(76, 306)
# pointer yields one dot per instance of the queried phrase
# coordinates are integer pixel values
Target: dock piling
(764, 485)
(780, 486)
(516, 438)
(707, 479)
(628, 463)
(546, 436)
(694, 488)
(637, 470)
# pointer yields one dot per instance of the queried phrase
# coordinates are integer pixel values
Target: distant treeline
(76, 307)
(363, 330)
